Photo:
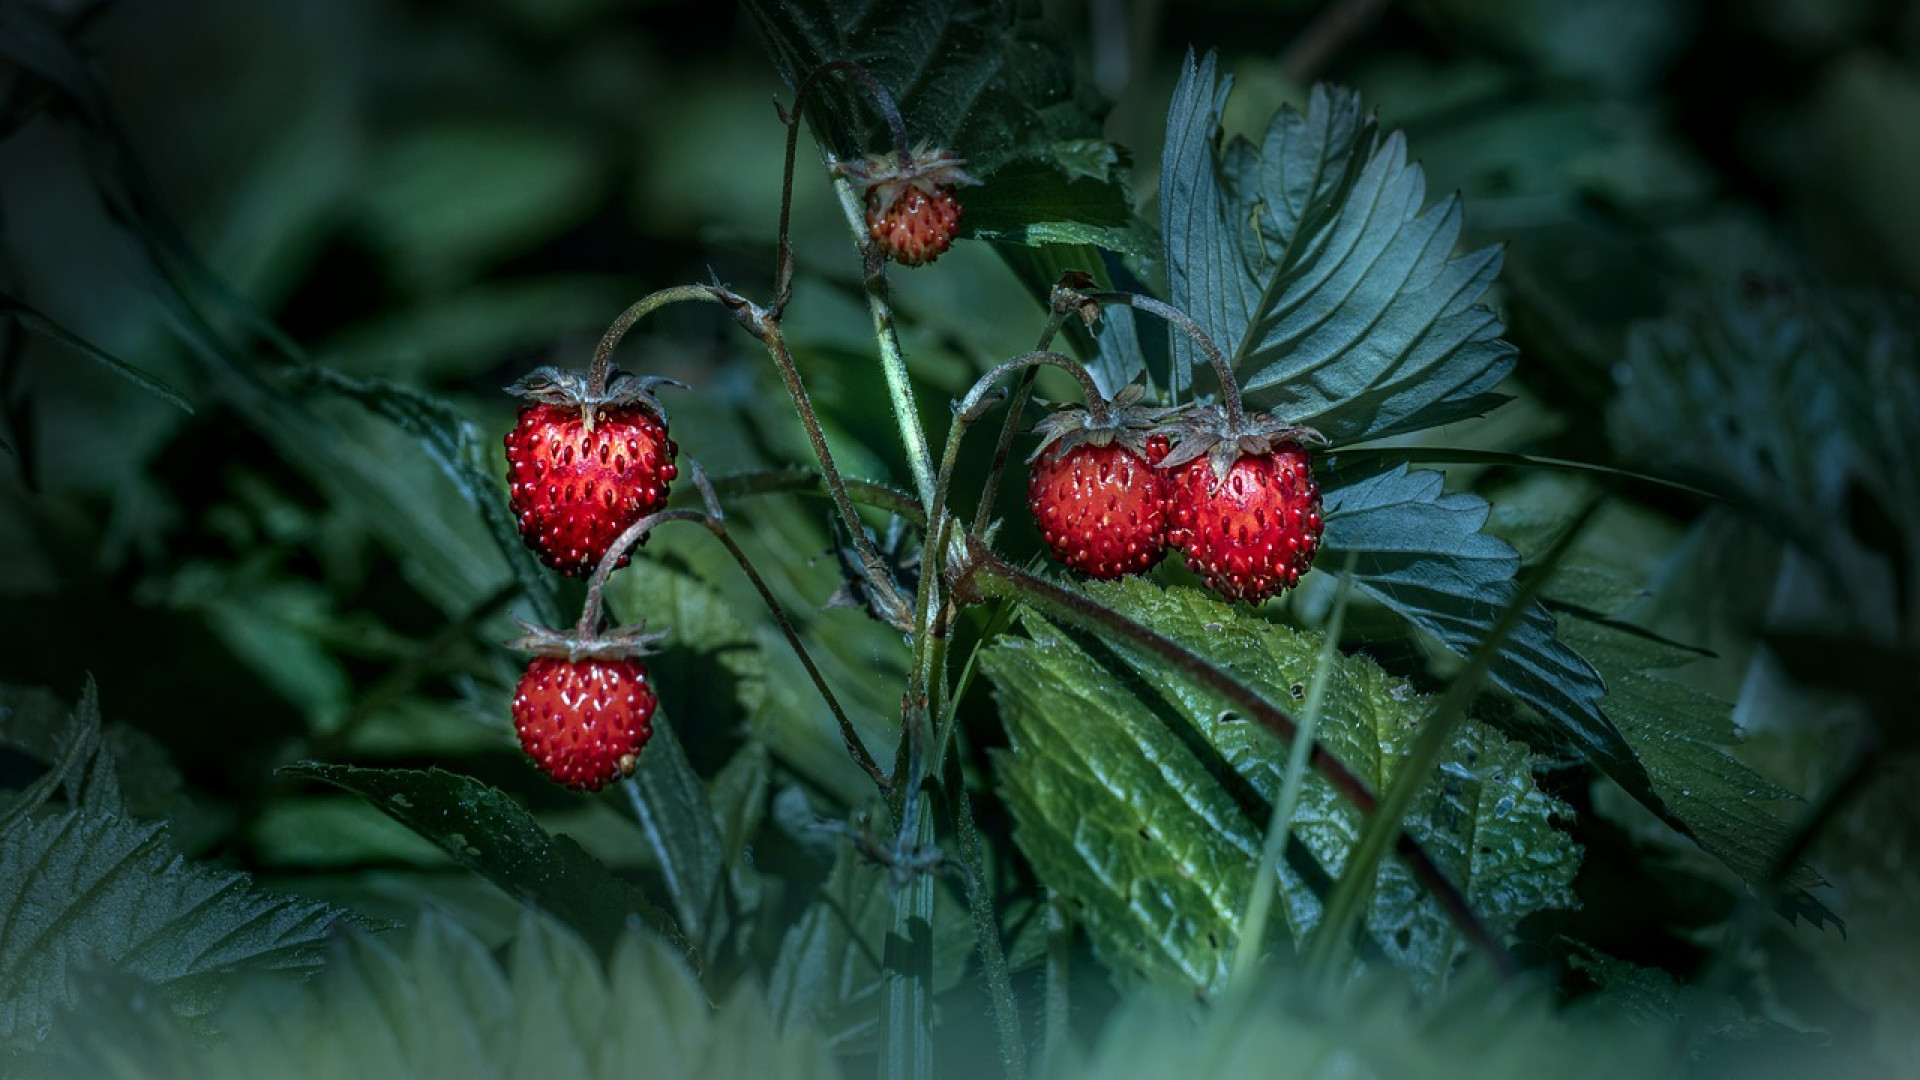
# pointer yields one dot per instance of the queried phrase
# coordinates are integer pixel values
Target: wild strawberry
(584, 709)
(913, 212)
(583, 467)
(1246, 510)
(1100, 504)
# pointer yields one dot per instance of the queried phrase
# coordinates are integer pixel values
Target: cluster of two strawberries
(1114, 487)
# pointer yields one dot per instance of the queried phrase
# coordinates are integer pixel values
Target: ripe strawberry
(913, 212)
(584, 722)
(1100, 504)
(1102, 509)
(580, 470)
(584, 709)
(1246, 510)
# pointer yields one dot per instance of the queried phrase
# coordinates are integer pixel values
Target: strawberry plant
(394, 689)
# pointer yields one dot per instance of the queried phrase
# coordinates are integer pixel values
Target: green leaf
(450, 440)
(992, 81)
(435, 1003)
(1123, 811)
(490, 833)
(1038, 202)
(670, 805)
(1801, 407)
(1311, 261)
(40, 324)
(1423, 553)
(1117, 816)
(82, 884)
(1683, 735)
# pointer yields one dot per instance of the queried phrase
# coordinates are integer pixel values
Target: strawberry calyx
(571, 389)
(886, 177)
(1212, 432)
(1121, 422)
(619, 643)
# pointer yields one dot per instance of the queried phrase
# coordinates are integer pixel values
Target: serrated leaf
(1422, 553)
(992, 81)
(1117, 816)
(435, 1004)
(1682, 734)
(1119, 813)
(82, 885)
(490, 833)
(1314, 263)
(448, 438)
(1481, 818)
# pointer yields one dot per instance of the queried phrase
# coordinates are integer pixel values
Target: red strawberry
(1102, 509)
(584, 722)
(580, 471)
(1244, 506)
(1098, 500)
(913, 212)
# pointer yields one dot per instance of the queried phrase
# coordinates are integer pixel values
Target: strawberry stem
(1229, 386)
(1061, 304)
(715, 522)
(886, 595)
(783, 270)
(1097, 404)
(602, 366)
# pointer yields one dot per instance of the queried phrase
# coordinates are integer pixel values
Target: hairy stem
(1062, 304)
(783, 271)
(886, 596)
(603, 353)
(893, 361)
(715, 523)
(1223, 371)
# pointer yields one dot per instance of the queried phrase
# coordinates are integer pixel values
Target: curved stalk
(783, 272)
(1223, 371)
(647, 305)
(1062, 303)
(764, 326)
(715, 523)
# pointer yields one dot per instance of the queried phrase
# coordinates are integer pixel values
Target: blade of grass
(1246, 957)
(1331, 942)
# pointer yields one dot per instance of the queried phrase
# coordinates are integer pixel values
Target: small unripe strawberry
(584, 722)
(581, 471)
(913, 209)
(1101, 509)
